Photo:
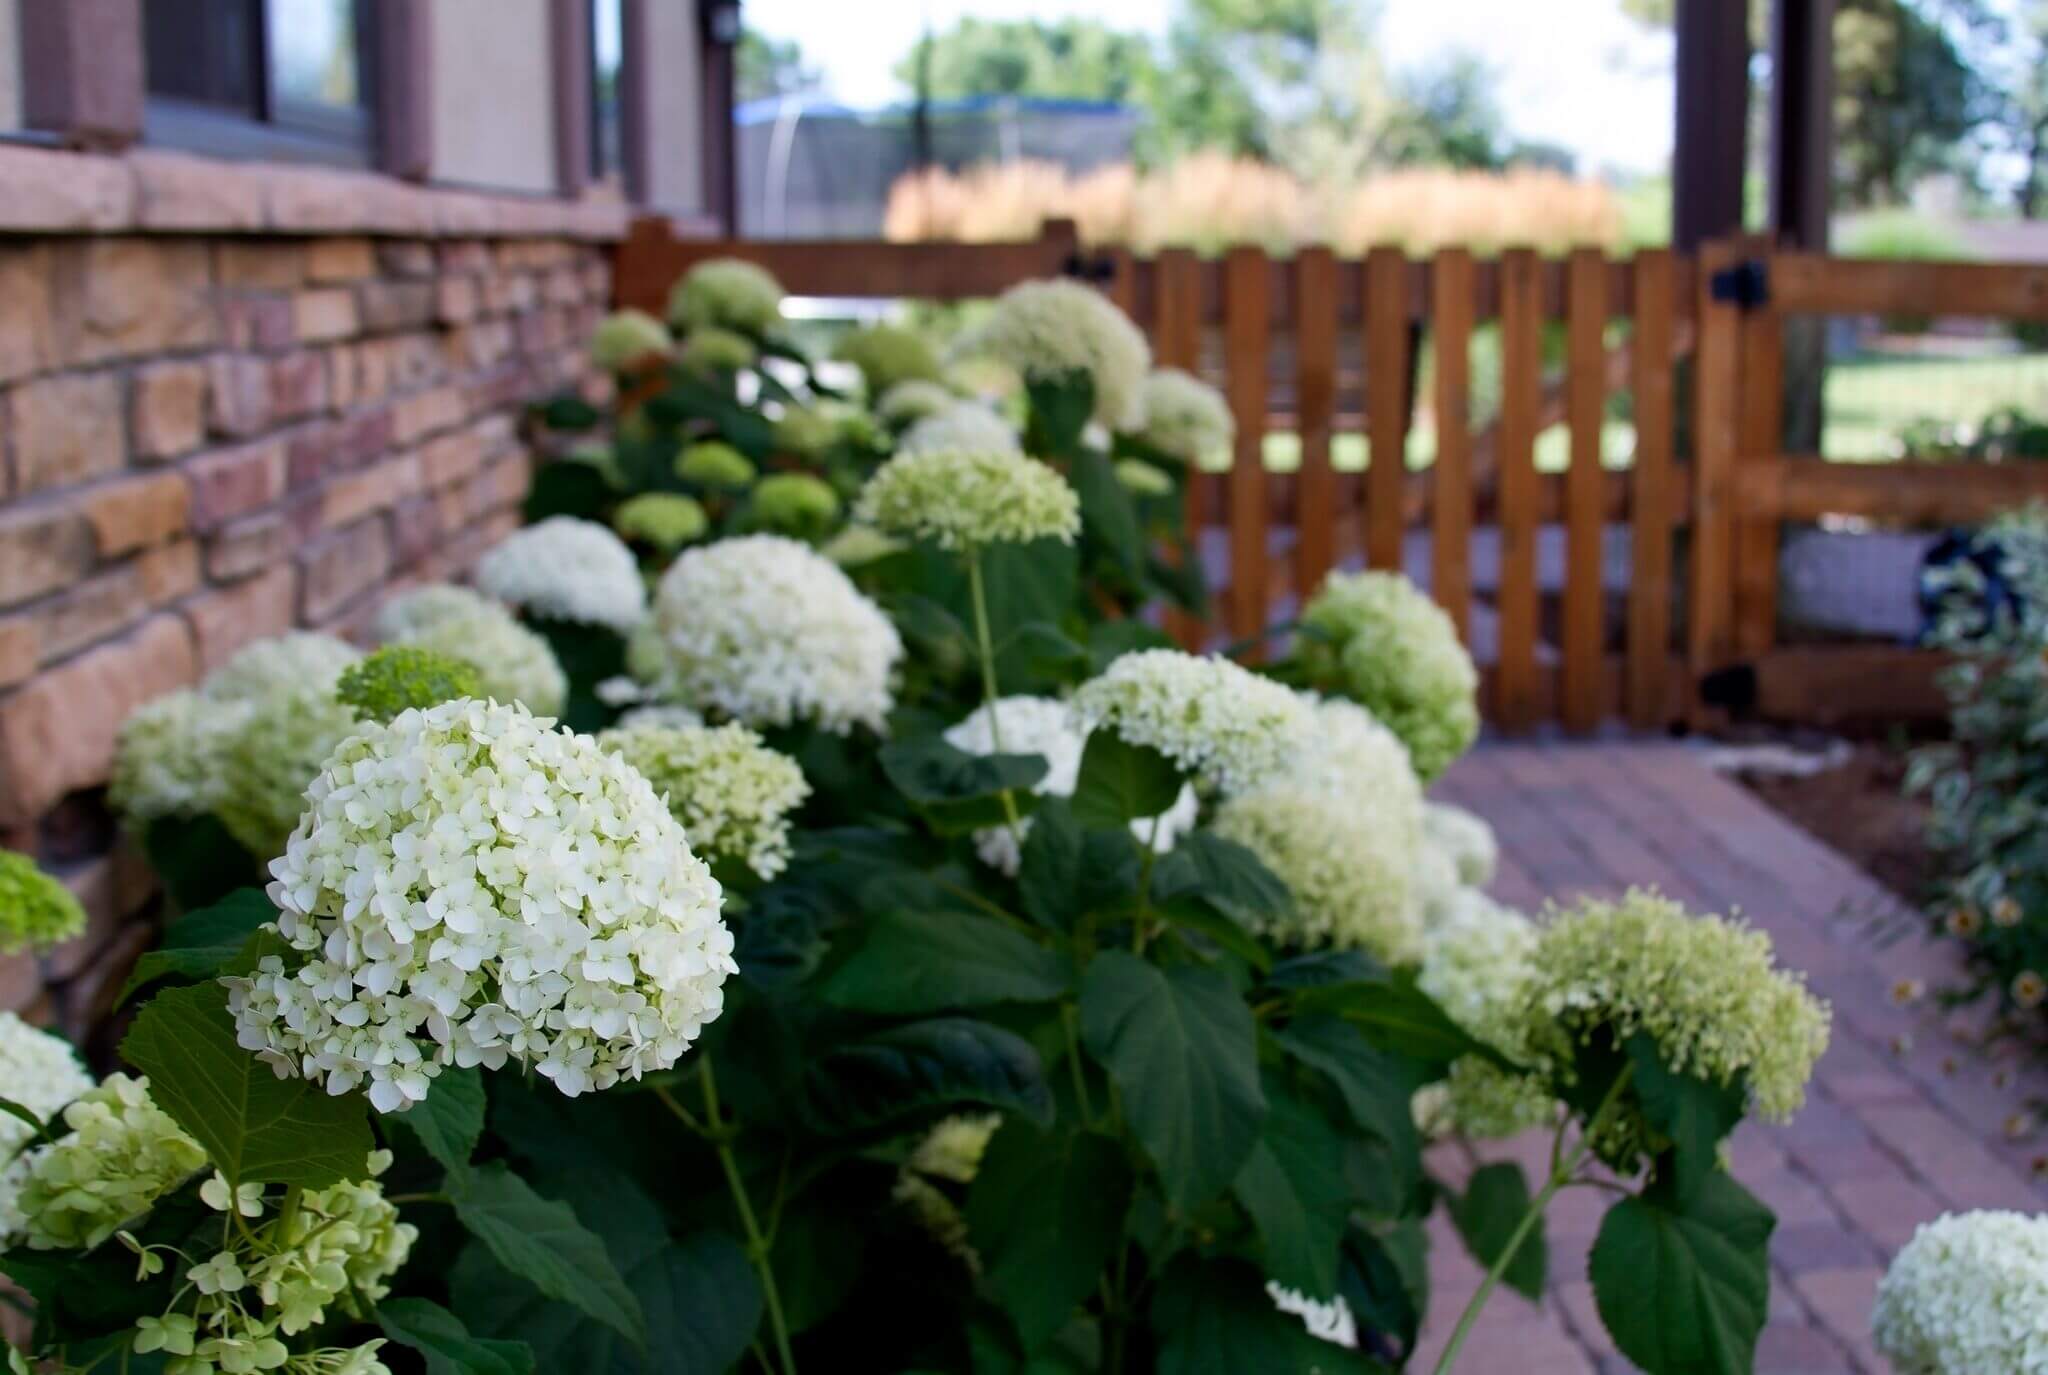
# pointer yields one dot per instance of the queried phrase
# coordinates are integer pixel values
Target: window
(259, 78)
(607, 57)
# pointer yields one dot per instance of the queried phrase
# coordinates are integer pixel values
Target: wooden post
(1717, 377)
(1710, 131)
(1451, 477)
(1649, 592)
(1517, 692)
(1247, 329)
(1760, 434)
(1585, 493)
(1177, 343)
(1386, 405)
(1315, 364)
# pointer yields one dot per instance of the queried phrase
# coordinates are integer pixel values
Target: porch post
(1711, 128)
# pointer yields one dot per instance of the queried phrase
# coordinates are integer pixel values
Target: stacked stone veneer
(235, 399)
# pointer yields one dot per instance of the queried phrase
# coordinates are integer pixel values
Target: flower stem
(988, 680)
(1561, 1172)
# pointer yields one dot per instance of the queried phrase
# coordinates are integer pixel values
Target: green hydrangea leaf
(1293, 1186)
(1215, 1318)
(1069, 870)
(1684, 1287)
(1376, 1086)
(1694, 1113)
(939, 1063)
(1045, 1215)
(440, 1337)
(1486, 1215)
(1120, 782)
(1224, 873)
(957, 791)
(200, 944)
(254, 1126)
(1396, 1015)
(1109, 517)
(450, 1120)
(918, 962)
(541, 1241)
(1384, 1277)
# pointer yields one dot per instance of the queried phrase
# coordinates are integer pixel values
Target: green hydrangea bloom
(795, 503)
(909, 402)
(732, 793)
(965, 499)
(266, 761)
(1705, 989)
(1141, 478)
(121, 1155)
(715, 464)
(728, 293)
(164, 759)
(400, 676)
(625, 338)
(664, 520)
(1379, 640)
(36, 911)
(808, 431)
(515, 664)
(714, 350)
(888, 354)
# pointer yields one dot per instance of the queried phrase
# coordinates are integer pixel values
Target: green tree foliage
(1074, 59)
(765, 66)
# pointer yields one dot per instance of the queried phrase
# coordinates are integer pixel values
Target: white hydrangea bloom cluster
(732, 793)
(301, 656)
(270, 753)
(1968, 1295)
(912, 400)
(1220, 722)
(165, 759)
(470, 887)
(1380, 639)
(965, 425)
(1048, 329)
(569, 569)
(673, 717)
(1332, 1322)
(121, 1154)
(766, 631)
(727, 293)
(966, 499)
(1051, 730)
(1464, 839)
(1187, 419)
(42, 1073)
(516, 664)
(1478, 963)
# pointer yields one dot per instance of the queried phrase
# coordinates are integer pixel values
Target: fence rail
(1588, 589)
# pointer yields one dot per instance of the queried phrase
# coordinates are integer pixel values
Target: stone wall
(235, 399)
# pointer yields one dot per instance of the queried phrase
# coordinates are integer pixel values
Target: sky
(1577, 73)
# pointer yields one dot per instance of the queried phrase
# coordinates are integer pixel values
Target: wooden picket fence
(1320, 345)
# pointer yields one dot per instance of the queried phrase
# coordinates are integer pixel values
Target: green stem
(1560, 1175)
(1150, 845)
(988, 680)
(720, 1136)
(1069, 1015)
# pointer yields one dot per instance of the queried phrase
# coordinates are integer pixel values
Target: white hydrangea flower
(1332, 1321)
(1381, 640)
(470, 887)
(515, 663)
(165, 759)
(965, 499)
(42, 1073)
(1478, 964)
(673, 717)
(732, 793)
(1188, 419)
(120, 1155)
(1050, 328)
(1968, 1295)
(1464, 839)
(1220, 722)
(961, 425)
(269, 753)
(569, 569)
(765, 630)
(1049, 729)
(913, 399)
(299, 658)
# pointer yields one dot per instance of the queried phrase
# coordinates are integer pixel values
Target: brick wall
(234, 399)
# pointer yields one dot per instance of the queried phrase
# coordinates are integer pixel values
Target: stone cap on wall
(46, 191)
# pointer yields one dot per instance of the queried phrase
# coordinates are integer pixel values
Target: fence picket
(1451, 507)
(1177, 343)
(1585, 519)
(1315, 389)
(1518, 696)
(1761, 433)
(1247, 282)
(1649, 592)
(1386, 404)
(1717, 381)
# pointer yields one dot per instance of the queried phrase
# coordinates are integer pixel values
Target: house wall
(493, 121)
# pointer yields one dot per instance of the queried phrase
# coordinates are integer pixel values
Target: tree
(765, 67)
(1075, 59)
(1447, 116)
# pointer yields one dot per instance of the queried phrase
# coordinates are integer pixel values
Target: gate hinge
(1097, 268)
(1745, 285)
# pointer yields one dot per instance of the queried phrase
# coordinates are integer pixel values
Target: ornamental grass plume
(963, 500)
(396, 677)
(911, 401)
(569, 570)
(43, 1074)
(962, 425)
(121, 1154)
(889, 355)
(714, 463)
(663, 521)
(766, 631)
(1378, 639)
(1186, 418)
(1705, 989)
(1049, 729)
(1050, 330)
(727, 293)
(801, 504)
(1221, 723)
(1968, 1295)
(709, 350)
(733, 795)
(36, 911)
(470, 887)
(625, 339)
(515, 664)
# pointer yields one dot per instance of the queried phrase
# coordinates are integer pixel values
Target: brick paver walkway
(1904, 1120)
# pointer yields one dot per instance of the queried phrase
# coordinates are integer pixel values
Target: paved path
(1904, 1119)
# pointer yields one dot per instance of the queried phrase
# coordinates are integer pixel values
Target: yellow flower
(2029, 988)
(2006, 911)
(1965, 922)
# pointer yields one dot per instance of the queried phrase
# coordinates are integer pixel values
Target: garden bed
(1859, 809)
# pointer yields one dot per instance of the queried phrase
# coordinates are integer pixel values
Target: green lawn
(1869, 399)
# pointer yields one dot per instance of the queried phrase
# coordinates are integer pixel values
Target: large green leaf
(1204, 864)
(1045, 1214)
(1214, 1317)
(451, 1119)
(916, 962)
(942, 1062)
(1109, 517)
(440, 1337)
(198, 944)
(1059, 409)
(1180, 1045)
(1325, 968)
(1695, 1113)
(1684, 1288)
(1486, 1215)
(1293, 1186)
(541, 1241)
(1377, 1086)
(1120, 782)
(1039, 581)
(958, 791)
(199, 862)
(1384, 1276)
(1069, 869)
(255, 1127)
(1396, 1015)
